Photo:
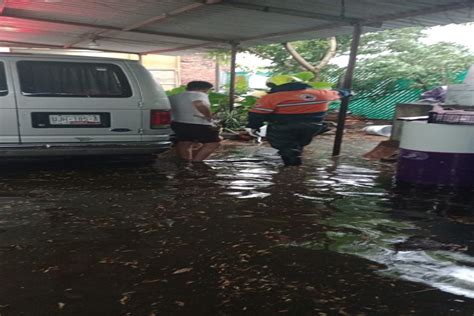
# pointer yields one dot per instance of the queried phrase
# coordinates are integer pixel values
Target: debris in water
(183, 270)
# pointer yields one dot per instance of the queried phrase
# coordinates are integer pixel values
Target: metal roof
(166, 26)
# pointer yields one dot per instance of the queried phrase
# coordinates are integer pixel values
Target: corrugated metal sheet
(180, 24)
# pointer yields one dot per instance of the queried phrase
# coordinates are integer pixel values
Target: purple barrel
(436, 154)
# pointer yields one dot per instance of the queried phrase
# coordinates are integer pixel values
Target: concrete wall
(165, 69)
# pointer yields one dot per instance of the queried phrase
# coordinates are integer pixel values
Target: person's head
(202, 86)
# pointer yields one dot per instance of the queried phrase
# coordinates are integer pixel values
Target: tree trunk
(330, 53)
(296, 56)
(250, 50)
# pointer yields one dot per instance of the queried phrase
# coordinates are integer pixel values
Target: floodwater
(238, 235)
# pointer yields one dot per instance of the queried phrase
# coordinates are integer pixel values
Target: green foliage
(304, 76)
(176, 90)
(321, 85)
(313, 51)
(248, 101)
(222, 56)
(236, 118)
(389, 55)
(218, 99)
(241, 84)
(425, 65)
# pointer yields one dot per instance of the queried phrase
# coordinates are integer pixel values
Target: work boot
(291, 161)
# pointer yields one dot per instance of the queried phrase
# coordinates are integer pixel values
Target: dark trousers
(290, 139)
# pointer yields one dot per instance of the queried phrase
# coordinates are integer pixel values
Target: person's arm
(260, 113)
(203, 109)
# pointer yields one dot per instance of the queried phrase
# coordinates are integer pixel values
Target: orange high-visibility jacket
(308, 105)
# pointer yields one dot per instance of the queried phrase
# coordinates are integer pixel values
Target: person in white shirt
(192, 122)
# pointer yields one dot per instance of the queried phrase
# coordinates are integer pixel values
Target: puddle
(361, 223)
(364, 226)
(255, 235)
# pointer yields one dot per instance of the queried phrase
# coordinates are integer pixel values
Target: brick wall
(198, 67)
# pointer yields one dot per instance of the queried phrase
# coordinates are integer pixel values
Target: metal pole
(233, 58)
(347, 84)
(218, 75)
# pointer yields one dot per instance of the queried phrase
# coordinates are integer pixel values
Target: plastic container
(436, 154)
(380, 130)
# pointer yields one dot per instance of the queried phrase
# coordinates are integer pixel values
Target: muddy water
(237, 235)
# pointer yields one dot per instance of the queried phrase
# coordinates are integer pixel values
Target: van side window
(3, 81)
(72, 79)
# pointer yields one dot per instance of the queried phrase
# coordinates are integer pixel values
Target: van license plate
(74, 119)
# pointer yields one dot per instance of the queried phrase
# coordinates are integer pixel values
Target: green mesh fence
(380, 103)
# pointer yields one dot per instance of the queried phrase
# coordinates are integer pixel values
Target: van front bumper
(82, 149)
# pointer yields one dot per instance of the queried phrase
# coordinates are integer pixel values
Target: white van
(67, 106)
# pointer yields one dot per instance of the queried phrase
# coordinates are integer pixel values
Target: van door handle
(120, 130)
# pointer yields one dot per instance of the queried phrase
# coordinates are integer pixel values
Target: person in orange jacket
(294, 112)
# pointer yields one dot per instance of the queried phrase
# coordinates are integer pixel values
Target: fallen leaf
(124, 300)
(61, 305)
(151, 281)
(183, 270)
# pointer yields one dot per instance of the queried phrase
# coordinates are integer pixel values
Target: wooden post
(233, 58)
(347, 84)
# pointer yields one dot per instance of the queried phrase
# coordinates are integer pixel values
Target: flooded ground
(235, 236)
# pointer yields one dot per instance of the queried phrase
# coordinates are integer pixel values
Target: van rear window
(71, 79)
(3, 81)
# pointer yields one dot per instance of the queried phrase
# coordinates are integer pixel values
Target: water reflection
(369, 220)
(244, 180)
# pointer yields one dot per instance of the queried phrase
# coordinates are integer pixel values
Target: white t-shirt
(183, 110)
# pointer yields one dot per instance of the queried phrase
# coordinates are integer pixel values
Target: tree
(313, 56)
(314, 69)
(387, 55)
(401, 54)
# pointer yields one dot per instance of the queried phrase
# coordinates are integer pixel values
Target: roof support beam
(152, 20)
(7, 13)
(176, 49)
(164, 16)
(289, 12)
(41, 45)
